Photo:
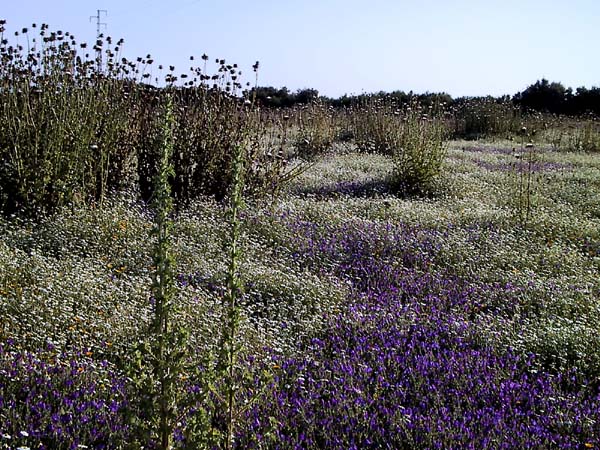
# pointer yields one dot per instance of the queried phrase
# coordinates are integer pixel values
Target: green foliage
(544, 96)
(271, 96)
(282, 97)
(485, 117)
(52, 158)
(209, 126)
(419, 154)
(317, 131)
(306, 96)
(161, 357)
(79, 279)
(585, 101)
(553, 97)
(584, 137)
(230, 346)
(413, 136)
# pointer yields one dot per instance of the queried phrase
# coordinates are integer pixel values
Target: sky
(461, 47)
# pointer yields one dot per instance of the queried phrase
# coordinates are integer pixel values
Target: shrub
(317, 130)
(486, 117)
(420, 152)
(585, 137)
(413, 136)
(51, 157)
(375, 124)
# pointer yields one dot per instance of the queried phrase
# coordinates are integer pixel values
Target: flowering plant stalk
(161, 358)
(229, 345)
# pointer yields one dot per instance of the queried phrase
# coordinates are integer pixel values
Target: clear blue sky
(463, 47)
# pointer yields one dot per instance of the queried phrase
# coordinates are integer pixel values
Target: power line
(99, 25)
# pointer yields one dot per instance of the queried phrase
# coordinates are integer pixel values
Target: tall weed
(415, 138)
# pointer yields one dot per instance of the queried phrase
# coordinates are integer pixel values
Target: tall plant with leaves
(414, 136)
(420, 150)
(230, 345)
(161, 358)
(317, 130)
(375, 125)
(50, 156)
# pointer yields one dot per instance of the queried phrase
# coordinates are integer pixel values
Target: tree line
(542, 96)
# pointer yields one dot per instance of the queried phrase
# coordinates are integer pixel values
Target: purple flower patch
(405, 366)
(53, 401)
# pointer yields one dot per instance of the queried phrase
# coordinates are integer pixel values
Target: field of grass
(464, 318)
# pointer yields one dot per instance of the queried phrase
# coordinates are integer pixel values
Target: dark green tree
(545, 96)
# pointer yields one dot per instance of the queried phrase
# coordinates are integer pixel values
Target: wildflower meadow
(185, 266)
